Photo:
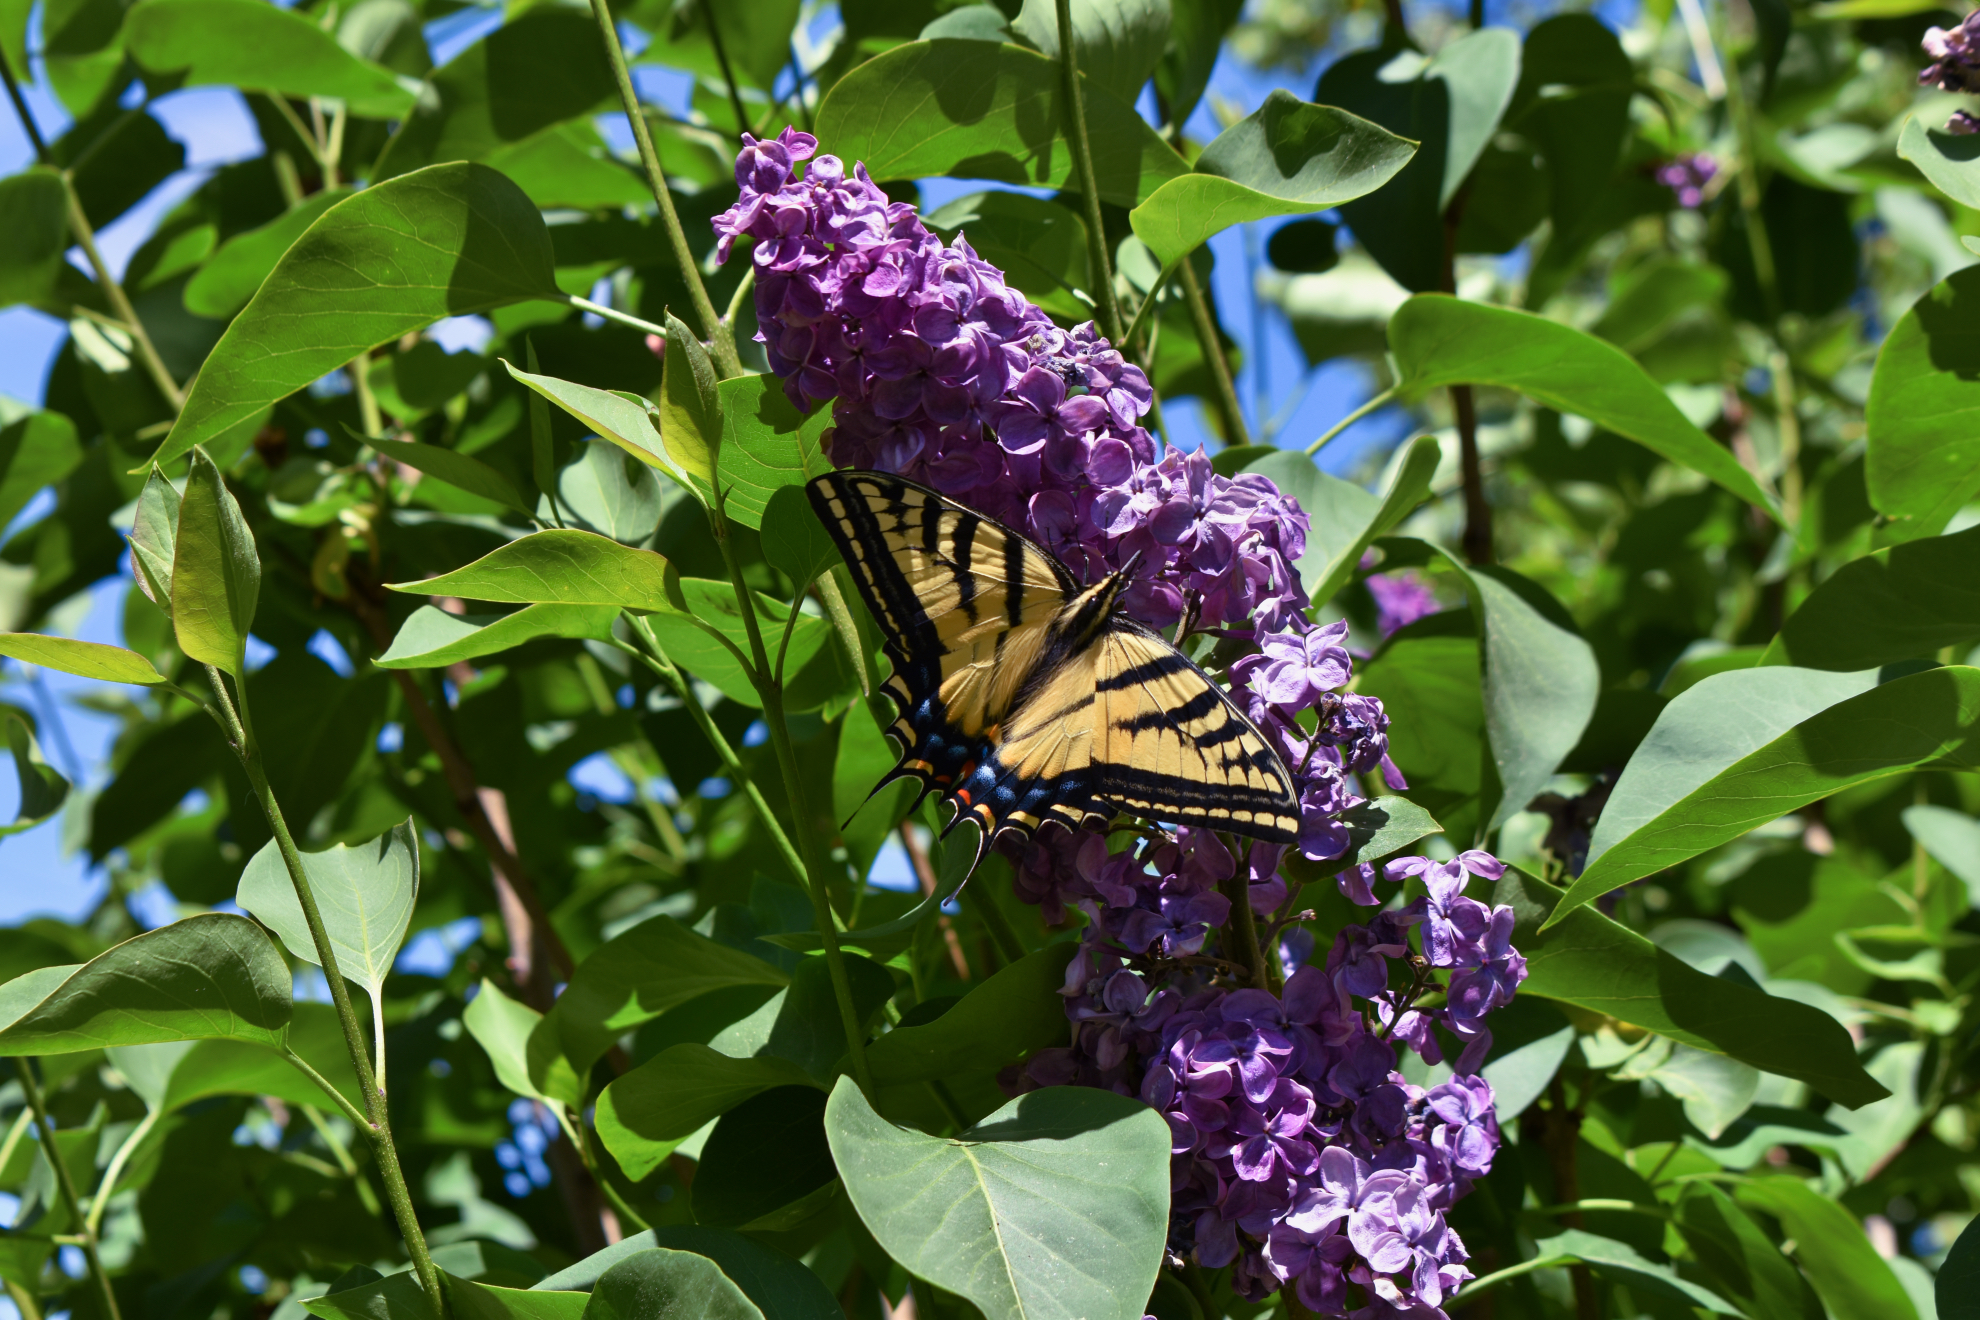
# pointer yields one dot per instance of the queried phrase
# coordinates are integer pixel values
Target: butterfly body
(1022, 697)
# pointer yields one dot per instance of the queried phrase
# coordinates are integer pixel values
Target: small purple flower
(1962, 124)
(1955, 53)
(1465, 1127)
(1687, 177)
(1401, 598)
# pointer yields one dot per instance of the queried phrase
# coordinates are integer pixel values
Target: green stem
(772, 692)
(45, 1129)
(376, 1123)
(728, 72)
(324, 1085)
(721, 345)
(1223, 393)
(1242, 927)
(101, 1200)
(342, 1155)
(85, 236)
(614, 314)
(654, 657)
(1102, 274)
(1378, 401)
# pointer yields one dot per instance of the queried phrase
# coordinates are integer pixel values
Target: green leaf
(542, 68)
(562, 567)
(1452, 105)
(1592, 962)
(976, 111)
(1541, 682)
(690, 406)
(794, 540)
(766, 1165)
(1439, 340)
(209, 976)
(1718, 762)
(432, 638)
(243, 43)
(34, 214)
(216, 572)
(237, 1067)
(154, 539)
(1116, 43)
(767, 444)
(473, 1300)
(1288, 157)
(1900, 603)
(1621, 1263)
(640, 974)
(37, 450)
(1376, 829)
(780, 1287)
(1057, 1204)
(1196, 29)
(41, 791)
(445, 241)
(502, 1027)
(394, 1297)
(658, 1284)
(1958, 1285)
(456, 469)
(1922, 462)
(227, 279)
(1347, 519)
(1950, 161)
(111, 664)
(714, 604)
(801, 1023)
(1951, 838)
(643, 1115)
(627, 420)
(1854, 1282)
(1740, 1258)
(1016, 1011)
(1039, 245)
(364, 892)
(1573, 102)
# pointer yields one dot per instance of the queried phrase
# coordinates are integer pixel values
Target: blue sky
(216, 128)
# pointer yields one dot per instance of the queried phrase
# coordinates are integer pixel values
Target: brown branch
(925, 871)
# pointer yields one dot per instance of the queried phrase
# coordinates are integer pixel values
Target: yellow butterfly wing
(965, 606)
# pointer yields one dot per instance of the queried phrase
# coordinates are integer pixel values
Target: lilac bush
(1302, 1156)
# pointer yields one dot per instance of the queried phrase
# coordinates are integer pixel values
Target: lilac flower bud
(1955, 53)
(1687, 176)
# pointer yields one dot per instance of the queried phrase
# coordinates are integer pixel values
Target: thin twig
(1223, 393)
(1379, 401)
(65, 1185)
(721, 346)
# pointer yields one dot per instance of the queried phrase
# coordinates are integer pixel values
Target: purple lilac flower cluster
(941, 372)
(1955, 66)
(1302, 1156)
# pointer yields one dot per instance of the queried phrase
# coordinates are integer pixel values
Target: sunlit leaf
(34, 214)
(444, 241)
(1923, 457)
(563, 567)
(433, 639)
(216, 572)
(111, 664)
(243, 43)
(1057, 1204)
(364, 893)
(658, 1284)
(1288, 157)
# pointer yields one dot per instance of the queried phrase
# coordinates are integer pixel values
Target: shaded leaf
(1622, 1263)
(1116, 43)
(209, 976)
(1288, 157)
(227, 279)
(1951, 838)
(658, 1284)
(1346, 520)
(1038, 244)
(1854, 1282)
(643, 1115)
(34, 214)
(766, 1165)
(1903, 602)
(1922, 462)
(690, 407)
(1015, 1012)
(1594, 963)
(41, 791)
(767, 444)
(781, 1287)
(794, 540)
(1950, 161)
(456, 469)
(1055, 1205)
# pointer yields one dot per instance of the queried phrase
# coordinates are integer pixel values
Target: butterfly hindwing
(1015, 711)
(1172, 745)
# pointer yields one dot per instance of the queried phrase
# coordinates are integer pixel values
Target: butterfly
(1022, 697)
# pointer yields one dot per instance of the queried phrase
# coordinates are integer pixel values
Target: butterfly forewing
(1014, 725)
